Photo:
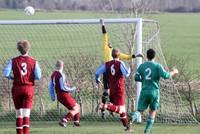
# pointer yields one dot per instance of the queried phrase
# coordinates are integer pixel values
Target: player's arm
(163, 73)
(98, 72)
(7, 70)
(173, 72)
(63, 84)
(106, 49)
(123, 56)
(125, 71)
(51, 90)
(105, 36)
(37, 71)
(138, 77)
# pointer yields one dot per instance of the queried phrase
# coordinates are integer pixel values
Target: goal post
(78, 44)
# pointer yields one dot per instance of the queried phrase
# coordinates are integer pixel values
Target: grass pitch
(97, 128)
(179, 37)
(179, 32)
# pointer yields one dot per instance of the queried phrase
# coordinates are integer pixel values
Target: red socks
(77, 119)
(113, 108)
(116, 109)
(124, 119)
(19, 128)
(69, 116)
(26, 125)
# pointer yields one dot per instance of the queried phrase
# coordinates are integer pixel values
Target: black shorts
(105, 81)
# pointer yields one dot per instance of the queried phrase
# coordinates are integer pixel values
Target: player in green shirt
(149, 73)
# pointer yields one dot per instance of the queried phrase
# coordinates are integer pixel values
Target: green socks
(149, 125)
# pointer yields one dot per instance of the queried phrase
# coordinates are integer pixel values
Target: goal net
(78, 44)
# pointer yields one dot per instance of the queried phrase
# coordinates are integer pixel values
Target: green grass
(179, 32)
(179, 37)
(97, 128)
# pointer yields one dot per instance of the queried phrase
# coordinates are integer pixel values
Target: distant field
(179, 37)
(179, 32)
(97, 128)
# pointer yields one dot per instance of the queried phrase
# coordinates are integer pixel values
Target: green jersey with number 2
(149, 73)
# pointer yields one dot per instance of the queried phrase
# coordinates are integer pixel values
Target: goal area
(78, 44)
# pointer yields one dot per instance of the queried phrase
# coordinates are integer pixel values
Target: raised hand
(102, 21)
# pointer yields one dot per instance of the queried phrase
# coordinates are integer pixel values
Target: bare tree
(184, 82)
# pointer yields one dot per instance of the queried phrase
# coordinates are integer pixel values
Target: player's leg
(154, 105)
(150, 121)
(76, 112)
(27, 106)
(123, 117)
(119, 109)
(19, 121)
(71, 105)
(105, 95)
(136, 116)
(18, 105)
(141, 107)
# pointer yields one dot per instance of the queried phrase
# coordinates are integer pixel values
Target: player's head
(151, 54)
(59, 64)
(115, 53)
(23, 46)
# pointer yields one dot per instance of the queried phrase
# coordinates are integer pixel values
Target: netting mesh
(79, 46)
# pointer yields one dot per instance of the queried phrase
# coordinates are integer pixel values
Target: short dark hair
(23, 46)
(115, 53)
(151, 54)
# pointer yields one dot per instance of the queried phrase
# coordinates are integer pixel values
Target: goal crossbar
(73, 21)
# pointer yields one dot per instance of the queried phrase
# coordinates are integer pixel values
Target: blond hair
(59, 64)
(23, 46)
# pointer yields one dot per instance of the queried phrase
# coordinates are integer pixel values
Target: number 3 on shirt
(24, 69)
(148, 76)
(112, 70)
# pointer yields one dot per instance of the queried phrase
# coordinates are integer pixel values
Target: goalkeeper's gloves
(137, 55)
(133, 56)
(102, 21)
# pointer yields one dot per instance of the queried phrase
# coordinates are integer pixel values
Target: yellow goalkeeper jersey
(107, 51)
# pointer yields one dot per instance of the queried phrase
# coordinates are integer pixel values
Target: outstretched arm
(106, 48)
(123, 56)
(166, 74)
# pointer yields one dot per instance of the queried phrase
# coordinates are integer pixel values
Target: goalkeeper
(107, 56)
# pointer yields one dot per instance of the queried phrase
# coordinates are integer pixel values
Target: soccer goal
(78, 44)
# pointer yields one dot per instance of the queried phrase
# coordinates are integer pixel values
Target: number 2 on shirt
(24, 69)
(148, 76)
